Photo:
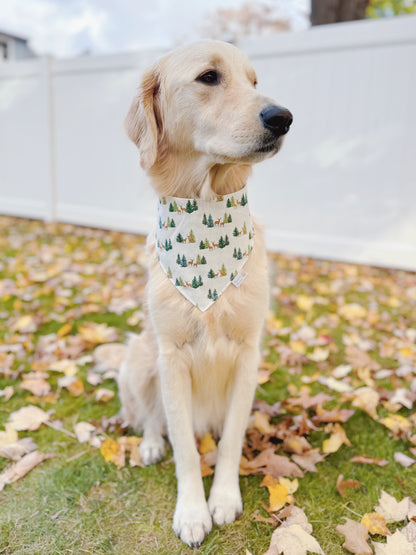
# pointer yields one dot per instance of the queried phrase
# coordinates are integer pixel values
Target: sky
(67, 28)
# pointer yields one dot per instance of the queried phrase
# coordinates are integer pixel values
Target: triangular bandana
(202, 245)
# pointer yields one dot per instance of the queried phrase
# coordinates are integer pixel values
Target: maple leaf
(296, 444)
(363, 459)
(94, 333)
(397, 543)
(28, 418)
(306, 401)
(375, 524)
(37, 386)
(279, 491)
(336, 415)
(261, 423)
(342, 485)
(356, 536)
(103, 395)
(338, 438)
(83, 431)
(267, 462)
(391, 509)
(271, 410)
(308, 460)
(397, 424)
(207, 444)
(293, 540)
(360, 359)
(366, 399)
(22, 467)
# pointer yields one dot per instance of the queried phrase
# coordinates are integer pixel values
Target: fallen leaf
(7, 393)
(366, 399)
(391, 509)
(94, 333)
(207, 444)
(83, 431)
(104, 395)
(22, 467)
(396, 544)
(8, 436)
(267, 462)
(356, 536)
(342, 485)
(397, 424)
(336, 415)
(352, 311)
(293, 540)
(37, 386)
(296, 444)
(403, 459)
(338, 438)
(363, 459)
(261, 423)
(375, 524)
(76, 388)
(17, 449)
(308, 460)
(205, 469)
(28, 418)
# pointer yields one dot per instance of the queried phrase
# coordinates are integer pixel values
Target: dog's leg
(192, 521)
(225, 502)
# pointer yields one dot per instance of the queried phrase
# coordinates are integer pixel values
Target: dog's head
(202, 99)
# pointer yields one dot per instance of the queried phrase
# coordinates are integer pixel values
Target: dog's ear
(140, 122)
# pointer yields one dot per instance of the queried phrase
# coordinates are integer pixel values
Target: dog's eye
(209, 78)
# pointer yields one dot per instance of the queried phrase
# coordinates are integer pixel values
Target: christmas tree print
(200, 283)
(172, 223)
(188, 208)
(223, 270)
(202, 245)
(168, 223)
(179, 238)
(250, 236)
(181, 283)
(239, 254)
(235, 232)
(164, 200)
(169, 273)
(171, 209)
(214, 295)
(195, 283)
(229, 203)
(211, 273)
(179, 260)
(206, 243)
(194, 206)
(227, 241)
(203, 260)
(243, 200)
(198, 259)
(234, 253)
(177, 284)
(184, 263)
(229, 219)
(231, 276)
(191, 237)
(244, 229)
(160, 223)
(210, 222)
(209, 294)
(168, 245)
(233, 201)
(221, 242)
(204, 220)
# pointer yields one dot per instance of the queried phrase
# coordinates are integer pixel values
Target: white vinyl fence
(343, 186)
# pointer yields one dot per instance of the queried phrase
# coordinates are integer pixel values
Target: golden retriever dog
(199, 124)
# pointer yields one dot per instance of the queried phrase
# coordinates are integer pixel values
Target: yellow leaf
(304, 302)
(298, 346)
(207, 444)
(263, 376)
(109, 448)
(205, 469)
(338, 438)
(397, 423)
(366, 399)
(64, 330)
(290, 485)
(8, 436)
(352, 311)
(375, 524)
(319, 354)
(279, 493)
(76, 388)
(261, 423)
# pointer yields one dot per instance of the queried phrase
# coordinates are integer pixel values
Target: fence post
(47, 78)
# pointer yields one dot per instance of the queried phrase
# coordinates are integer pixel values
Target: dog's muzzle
(276, 119)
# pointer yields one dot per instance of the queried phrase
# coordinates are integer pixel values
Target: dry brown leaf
(366, 399)
(22, 467)
(293, 540)
(356, 536)
(363, 459)
(338, 438)
(343, 485)
(335, 415)
(397, 544)
(296, 444)
(391, 509)
(360, 359)
(261, 423)
(205, 469)
(76, 388)
(104, 395)
(37, 386)
(267, 462)
(306, 401)
(94, 333)
(308, 460)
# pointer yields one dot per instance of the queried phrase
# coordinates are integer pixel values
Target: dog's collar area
(202, 245)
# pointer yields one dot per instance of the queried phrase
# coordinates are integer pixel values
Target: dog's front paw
(225, 505)
(192, 522)
(152, 450)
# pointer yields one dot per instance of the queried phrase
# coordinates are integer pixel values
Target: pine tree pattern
(203, 245)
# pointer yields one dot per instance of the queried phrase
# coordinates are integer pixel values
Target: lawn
(339, 355)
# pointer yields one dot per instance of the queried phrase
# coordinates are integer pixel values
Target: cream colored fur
(190, 372)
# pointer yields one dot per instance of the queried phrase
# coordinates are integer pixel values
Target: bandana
(202, 246)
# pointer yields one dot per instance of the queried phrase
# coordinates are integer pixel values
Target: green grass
(86, 505)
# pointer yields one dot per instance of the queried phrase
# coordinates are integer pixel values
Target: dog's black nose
(276, 119)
